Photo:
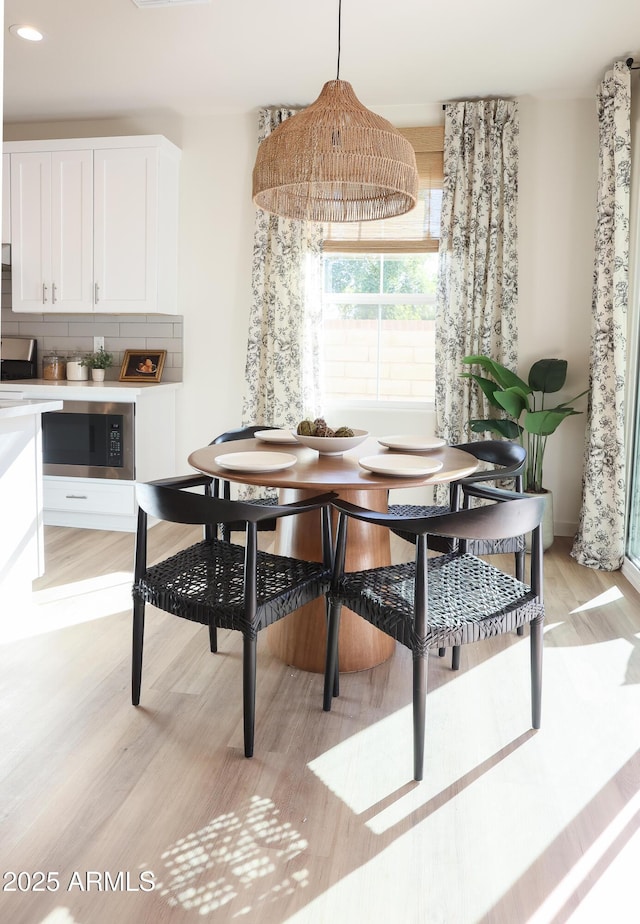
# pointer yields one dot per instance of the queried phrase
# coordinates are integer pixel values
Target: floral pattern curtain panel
(282, 375)
(478, 263)
(599, 542)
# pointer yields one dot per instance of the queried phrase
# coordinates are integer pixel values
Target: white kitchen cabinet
(52, 218)
(105, 503)
(94, 225)
(30, 231)
(126, 206)
(93, 503)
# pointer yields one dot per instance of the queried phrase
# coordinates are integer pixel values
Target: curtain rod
(628, 62)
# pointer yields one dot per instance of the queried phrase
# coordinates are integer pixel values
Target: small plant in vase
(98, 362)
(523, 405)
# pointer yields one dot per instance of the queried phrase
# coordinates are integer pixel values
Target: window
(378, 326)
(379, 295)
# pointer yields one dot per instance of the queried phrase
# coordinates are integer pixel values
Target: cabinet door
(72, 230)
(52, 231)
(31, 231)
(125, 229)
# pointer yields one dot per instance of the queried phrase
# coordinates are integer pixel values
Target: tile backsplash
(68, 333)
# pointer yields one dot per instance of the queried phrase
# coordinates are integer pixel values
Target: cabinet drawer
(78, 495)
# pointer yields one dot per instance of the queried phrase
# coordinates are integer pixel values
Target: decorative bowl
(333, 445)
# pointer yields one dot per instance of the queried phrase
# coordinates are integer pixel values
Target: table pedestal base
(300, 638)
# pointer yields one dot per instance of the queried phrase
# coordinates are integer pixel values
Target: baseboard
(564, 528)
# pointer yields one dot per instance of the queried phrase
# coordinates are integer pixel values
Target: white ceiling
(108, 58)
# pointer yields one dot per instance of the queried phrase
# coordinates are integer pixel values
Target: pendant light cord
(339, 21)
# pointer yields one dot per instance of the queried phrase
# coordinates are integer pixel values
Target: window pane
(410, 274)
(424, 311)
(407, 353)
(351, 352)
(359, 274)
(357, 312)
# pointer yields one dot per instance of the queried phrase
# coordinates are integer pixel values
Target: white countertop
(10, 407)
(82, 391)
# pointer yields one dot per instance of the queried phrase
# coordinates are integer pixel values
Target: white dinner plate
(255, 461)
(412, 443)
(276, 436)
(392, 464)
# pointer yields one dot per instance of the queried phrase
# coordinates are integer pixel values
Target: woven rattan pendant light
(335, 161)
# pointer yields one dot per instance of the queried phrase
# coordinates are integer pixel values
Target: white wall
(558, 155)
(558, 184)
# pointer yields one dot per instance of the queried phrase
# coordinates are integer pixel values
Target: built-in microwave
(89, 439)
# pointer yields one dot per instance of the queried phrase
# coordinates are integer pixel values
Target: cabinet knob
(97, 293)
(53, 293)
(44, 293)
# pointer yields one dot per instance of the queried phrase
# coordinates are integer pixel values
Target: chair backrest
(512, 514)
(511, 457)
(241, 433)
(175, 506)
(168, 502)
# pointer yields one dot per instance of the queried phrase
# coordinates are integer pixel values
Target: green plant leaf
(503, 376)
(571, 400)
(513, 401)
(507, 428)
(542, 423)
(488, 387)
(548, 375)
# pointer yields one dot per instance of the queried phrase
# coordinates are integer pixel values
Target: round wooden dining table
(299, 639)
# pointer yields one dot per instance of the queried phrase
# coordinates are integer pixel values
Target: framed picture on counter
(142, 365)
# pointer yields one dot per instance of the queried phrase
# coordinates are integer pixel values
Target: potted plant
(526, 419)
(98, 362)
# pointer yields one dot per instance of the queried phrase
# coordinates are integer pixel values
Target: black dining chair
(218, 583)
(508, 462)
(443, 601)
(222, 488)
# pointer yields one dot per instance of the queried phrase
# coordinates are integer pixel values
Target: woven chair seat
(469, 600)
(441, 544)
(204, 583)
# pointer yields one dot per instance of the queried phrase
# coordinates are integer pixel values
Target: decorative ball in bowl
(316, 435)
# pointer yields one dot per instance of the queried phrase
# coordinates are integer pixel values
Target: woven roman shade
(417, 231)
(335, 161)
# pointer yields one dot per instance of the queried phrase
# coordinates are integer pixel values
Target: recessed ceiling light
(29, 33)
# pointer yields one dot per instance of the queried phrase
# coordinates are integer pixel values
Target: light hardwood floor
(325, 823)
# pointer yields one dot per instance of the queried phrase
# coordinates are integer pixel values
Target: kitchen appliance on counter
(18, 358)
